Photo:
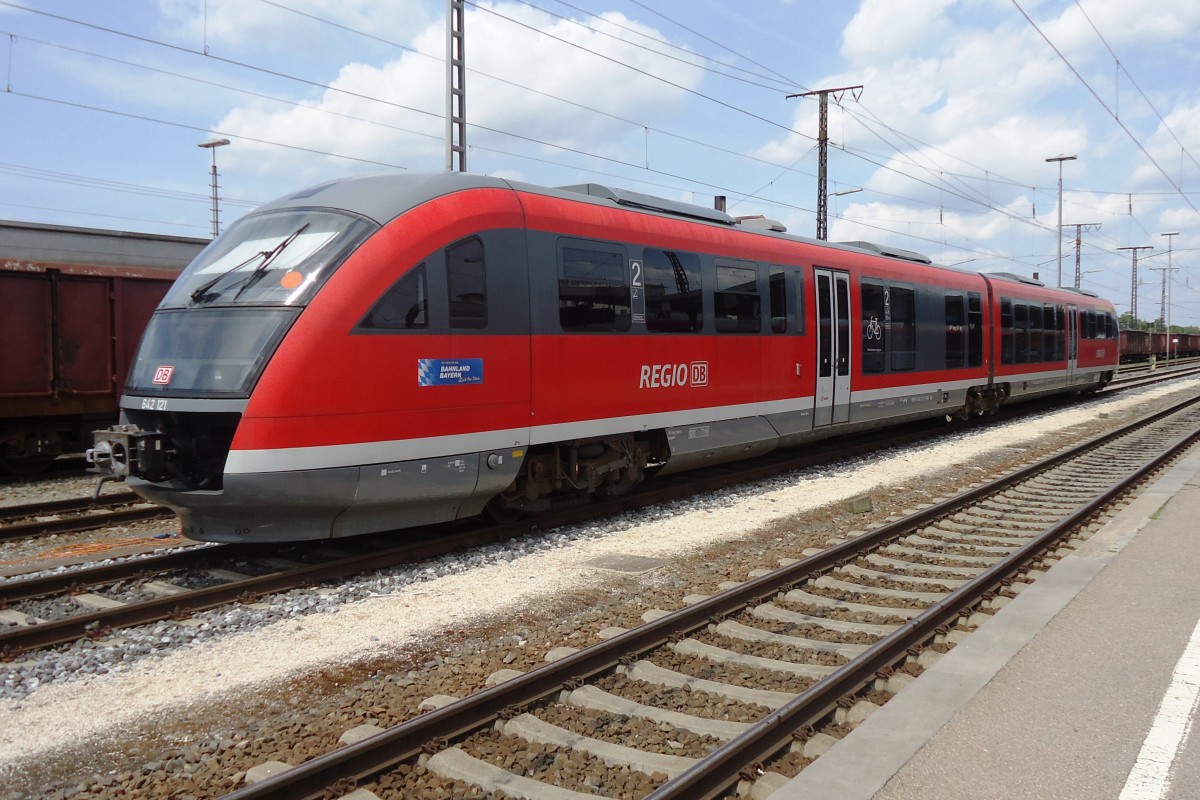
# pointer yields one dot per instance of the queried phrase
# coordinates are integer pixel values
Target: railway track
(748, 681)
(75, 514)
(1145, 377)
(93, 601)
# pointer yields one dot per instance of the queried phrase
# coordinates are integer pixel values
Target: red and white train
(383, 352)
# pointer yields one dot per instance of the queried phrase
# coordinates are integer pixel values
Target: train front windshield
(274, 258)
(221, 321)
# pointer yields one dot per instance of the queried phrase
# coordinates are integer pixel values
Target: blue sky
(963, 101)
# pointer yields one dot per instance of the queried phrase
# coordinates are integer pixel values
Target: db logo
(162, 375)
(699, 370)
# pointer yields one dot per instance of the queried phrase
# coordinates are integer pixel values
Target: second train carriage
(384, 352)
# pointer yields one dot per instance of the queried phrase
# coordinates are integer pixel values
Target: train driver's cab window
(466, 285)
(737, 303)
(593, 288)
(673, 298)
(405, 306)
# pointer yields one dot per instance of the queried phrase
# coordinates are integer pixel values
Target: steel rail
(721, 769)
(66, 506)
(408, 739)
(82, 523)
(17, 589)
(47, 634)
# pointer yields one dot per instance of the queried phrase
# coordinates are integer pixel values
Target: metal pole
(823, 154)
(1060, 159)
(216, 215)
(1167, 289)
(822, 173)
(1133, 295)
(456, 87)
(213, 144)
(1080, 227)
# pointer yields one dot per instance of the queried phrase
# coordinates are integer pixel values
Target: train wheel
(500, 512)
(28, 451)
(25, 467)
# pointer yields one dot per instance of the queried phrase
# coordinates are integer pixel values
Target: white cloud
(238, 24)
(540, 57)
(885, 29)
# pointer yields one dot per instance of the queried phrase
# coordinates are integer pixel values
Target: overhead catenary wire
(965, 191)
(360, 95)
(1105, 106)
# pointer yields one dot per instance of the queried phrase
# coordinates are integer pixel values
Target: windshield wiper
(201, 293)
(268, 257)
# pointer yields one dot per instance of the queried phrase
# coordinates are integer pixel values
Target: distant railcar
(384, 352)
(73, 304)
(1135, 345)
(1185, 344)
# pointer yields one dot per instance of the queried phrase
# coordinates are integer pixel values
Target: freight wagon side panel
(85, 332)
(25, 330)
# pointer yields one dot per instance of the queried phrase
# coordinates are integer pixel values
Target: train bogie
(389, 352)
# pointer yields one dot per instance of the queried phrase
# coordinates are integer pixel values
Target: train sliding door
(833, 347)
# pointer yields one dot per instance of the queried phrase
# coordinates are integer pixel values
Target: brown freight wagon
(73, 304)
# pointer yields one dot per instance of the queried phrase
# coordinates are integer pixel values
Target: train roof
(1012, 277)
(384, 197)
(22, 242)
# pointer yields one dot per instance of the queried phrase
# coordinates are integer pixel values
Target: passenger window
(824, 328)
(1050, 326)
(673, 296)
(1006, 331)
(593, 289)
(404, 307)
(904, 328)
(466, 284)
(737, 304)
(956, 332)
(1060, 332)
(1021, 332)
(974, 329)
(1035, 333)
(842, 289)
(874, 328)
(777, 283)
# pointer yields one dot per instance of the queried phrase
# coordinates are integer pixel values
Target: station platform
(1084, 686)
